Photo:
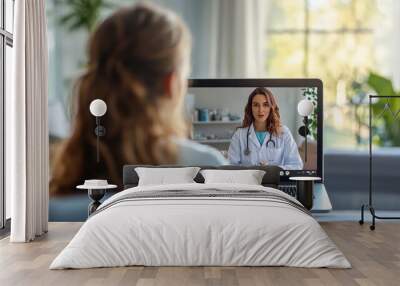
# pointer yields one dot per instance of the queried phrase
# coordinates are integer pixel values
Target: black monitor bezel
(281, 82)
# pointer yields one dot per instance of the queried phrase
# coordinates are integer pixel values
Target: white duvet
(200, 231)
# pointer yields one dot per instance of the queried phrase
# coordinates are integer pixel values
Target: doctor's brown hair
(273, 123)
(130, 55)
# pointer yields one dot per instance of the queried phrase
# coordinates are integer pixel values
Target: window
(6, 44)
(333, 40)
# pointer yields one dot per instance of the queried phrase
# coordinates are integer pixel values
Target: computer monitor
(216, 110)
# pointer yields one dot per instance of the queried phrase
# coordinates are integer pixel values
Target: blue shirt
(261, 136)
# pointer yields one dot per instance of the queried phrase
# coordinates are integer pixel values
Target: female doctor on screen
(262, 139)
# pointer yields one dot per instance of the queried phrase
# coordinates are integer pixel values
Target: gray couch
(346, 178)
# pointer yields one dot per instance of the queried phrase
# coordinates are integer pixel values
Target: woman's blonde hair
(130, 55)
(273, 123)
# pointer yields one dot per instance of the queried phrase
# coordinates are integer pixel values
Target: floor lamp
(305, 108)
(98, 108)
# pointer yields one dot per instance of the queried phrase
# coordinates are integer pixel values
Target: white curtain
(395, 46)
(229, 38)
(27, 128)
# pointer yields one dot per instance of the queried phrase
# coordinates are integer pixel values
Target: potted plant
(386, 127)
(311, 93)
(82, 14)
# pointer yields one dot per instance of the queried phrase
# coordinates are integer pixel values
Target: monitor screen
(217, 111)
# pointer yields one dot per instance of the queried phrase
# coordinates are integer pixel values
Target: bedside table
(96, 190)
(305, 190)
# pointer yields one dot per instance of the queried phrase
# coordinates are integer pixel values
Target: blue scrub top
(261, 136)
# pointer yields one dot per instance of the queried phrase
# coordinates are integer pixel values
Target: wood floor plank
(374, 255)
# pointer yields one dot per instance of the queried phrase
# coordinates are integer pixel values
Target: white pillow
(163, 176)
(248, 177)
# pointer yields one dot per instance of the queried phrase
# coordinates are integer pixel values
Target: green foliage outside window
(336, 42)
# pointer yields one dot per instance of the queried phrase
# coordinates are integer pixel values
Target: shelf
(217, 122)
(213, 140)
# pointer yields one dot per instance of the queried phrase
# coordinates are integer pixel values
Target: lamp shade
(305, 107)
(98, 107)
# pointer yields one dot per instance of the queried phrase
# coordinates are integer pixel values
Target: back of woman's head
(131, 55)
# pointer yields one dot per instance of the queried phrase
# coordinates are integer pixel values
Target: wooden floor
(374, 255)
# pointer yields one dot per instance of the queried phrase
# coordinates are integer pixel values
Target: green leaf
(66, 18)
(82, 13)
(380, 84)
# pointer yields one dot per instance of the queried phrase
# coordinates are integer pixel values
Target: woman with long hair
(138, 64)
(263, 139)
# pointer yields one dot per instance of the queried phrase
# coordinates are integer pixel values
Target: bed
(201, 224)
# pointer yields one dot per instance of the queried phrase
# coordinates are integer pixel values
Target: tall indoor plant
(82, 14)
(387, 126)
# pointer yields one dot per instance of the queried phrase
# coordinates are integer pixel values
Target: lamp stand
(303, 131)
(99, 131)
(305, 121)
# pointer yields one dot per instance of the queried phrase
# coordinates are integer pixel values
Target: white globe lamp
(98, 107)
(305, 107)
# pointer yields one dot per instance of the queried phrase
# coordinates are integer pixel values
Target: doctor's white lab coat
(285, 153)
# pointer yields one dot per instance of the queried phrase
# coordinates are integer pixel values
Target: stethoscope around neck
(247, 151)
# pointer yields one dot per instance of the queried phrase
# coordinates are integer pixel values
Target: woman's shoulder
(193, 153)
(240, 130)
(285, 131)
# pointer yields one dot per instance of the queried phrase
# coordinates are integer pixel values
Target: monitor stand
(321, 201)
